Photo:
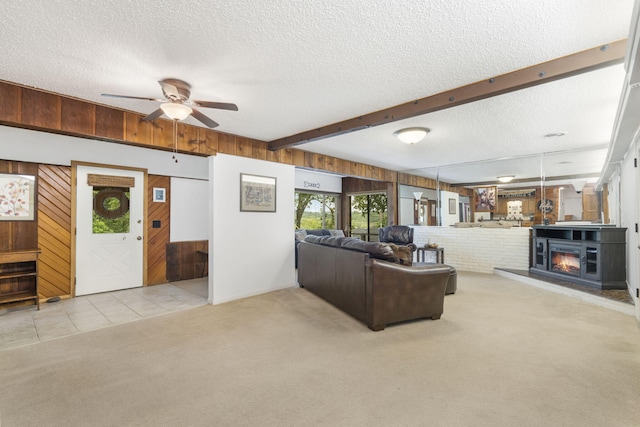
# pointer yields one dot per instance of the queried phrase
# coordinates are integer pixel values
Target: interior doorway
(432, 218)
(109, 219)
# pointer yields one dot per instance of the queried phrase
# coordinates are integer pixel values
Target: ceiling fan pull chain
(175, 140)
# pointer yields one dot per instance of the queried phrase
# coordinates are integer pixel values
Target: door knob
(139, 237)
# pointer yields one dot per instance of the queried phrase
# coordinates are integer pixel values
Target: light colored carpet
(503, 354)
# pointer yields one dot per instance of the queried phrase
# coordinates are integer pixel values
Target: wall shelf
(19, 276)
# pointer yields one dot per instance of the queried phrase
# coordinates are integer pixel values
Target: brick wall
(479, 249)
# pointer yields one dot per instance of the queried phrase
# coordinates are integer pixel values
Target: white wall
(614, 198)
(189, 210)
(447, 218)
(406, 211)
(628, 218)
(49, 148)
(571, 204)
(249, 252)
(316, 181)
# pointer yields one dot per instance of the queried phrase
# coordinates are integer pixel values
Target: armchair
(401, 235)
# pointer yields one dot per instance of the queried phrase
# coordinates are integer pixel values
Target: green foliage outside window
(311, 213)
(375, 204)
(116, 225)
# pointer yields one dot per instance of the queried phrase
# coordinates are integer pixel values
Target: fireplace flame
(564, 263)
(563, 267)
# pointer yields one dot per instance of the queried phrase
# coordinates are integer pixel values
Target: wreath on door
(545, 205)
(111, 203)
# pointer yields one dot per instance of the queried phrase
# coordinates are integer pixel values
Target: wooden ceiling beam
(555, 69)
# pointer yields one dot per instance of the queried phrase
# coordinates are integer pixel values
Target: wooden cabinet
(19, 277)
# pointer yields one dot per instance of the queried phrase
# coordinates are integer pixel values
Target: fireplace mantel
(591, 255)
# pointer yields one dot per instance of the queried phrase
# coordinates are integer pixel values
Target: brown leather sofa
(403, 235)
(361, 279)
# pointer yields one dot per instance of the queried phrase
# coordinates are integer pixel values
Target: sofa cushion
(336, 233)
(301, 234)
(404, 254)
(313, 238)
(319, 232)
(336, 242)
(375, 249)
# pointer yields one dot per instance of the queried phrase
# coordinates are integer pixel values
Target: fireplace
(587, 255)
(565, 260)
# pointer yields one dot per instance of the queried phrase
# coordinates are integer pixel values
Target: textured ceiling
(292, 66)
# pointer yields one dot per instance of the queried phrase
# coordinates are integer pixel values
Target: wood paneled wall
(16, 235)
(529, 206)
(54, 230)
(158, 238)
(30, 108)
(187, 260)
(591, 203)
(422, 182)
(50, 230)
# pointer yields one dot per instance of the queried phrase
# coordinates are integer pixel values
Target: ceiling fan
(177, 105)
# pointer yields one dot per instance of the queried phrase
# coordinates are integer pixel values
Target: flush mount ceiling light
(505, 178)
(411, 135)
(176, 111)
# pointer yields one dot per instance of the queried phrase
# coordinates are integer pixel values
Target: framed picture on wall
(452, 206)
(257, 193)
(17, 195)
(159, 195)
(485, 199)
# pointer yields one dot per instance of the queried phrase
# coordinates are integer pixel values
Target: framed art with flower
(17, 195)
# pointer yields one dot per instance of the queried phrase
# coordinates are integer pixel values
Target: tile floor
(24, 326)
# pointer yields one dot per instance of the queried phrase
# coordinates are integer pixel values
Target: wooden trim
(187, 260)
(545, 72)
(145, 235)
(74, 187)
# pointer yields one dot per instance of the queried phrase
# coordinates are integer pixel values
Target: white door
(109, 229)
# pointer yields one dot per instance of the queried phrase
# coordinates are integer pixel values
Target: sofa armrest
(397, 293)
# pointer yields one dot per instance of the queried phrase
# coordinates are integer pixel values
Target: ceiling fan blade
(153, 115)
(219, 105)
(132, 97)
(204, 119)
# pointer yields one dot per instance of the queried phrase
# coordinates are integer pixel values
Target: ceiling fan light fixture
(505, 178)
(175, 111)
(411, 135)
